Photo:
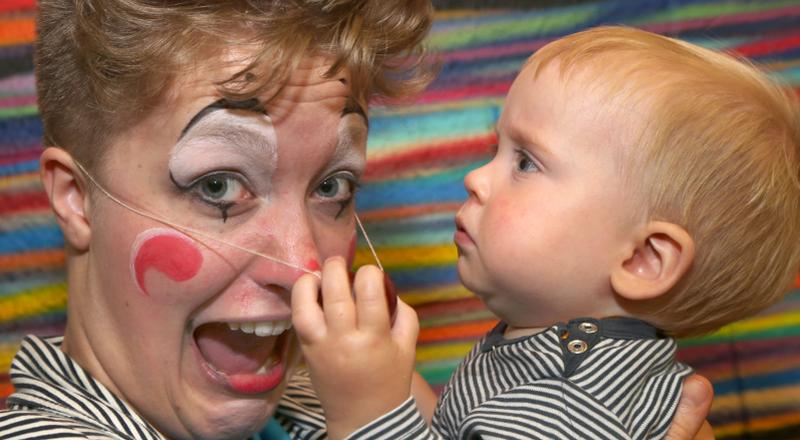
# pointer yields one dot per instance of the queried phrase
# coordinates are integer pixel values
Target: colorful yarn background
(419, 154)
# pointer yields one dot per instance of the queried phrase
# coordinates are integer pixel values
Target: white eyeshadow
(227, 140)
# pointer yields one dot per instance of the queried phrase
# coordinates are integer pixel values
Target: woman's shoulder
(23, 423)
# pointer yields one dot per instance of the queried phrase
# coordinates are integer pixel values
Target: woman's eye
(525, 163)
(338, 190)
(214, 187)
(220, 188)
(330, 187)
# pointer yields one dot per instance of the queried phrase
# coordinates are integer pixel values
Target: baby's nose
(477, 184)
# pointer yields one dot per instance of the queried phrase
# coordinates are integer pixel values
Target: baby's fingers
(308, 319)
(406, 325)
(371, 303)
(337, 298)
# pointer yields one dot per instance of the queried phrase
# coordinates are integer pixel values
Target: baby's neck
(512, 332)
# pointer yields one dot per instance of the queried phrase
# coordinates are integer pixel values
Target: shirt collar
(45, 378)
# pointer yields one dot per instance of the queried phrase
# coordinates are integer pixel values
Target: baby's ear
(68, 196)
(661, 255)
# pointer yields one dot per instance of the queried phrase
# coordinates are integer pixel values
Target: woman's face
(181, 321)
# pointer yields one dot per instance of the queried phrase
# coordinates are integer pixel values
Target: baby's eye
(525, 163)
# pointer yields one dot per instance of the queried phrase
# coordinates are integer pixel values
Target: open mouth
(246, 357)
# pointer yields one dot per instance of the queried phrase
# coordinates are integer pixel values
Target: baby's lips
(389, 289)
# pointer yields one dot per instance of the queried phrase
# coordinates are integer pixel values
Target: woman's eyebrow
(252, 104)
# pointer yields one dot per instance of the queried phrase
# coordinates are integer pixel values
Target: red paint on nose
(313, 265)
(174, 256)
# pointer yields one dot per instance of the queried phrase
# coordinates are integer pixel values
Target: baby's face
(548, 216)
(190, 330)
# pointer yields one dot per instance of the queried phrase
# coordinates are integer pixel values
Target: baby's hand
(388, 287)
(360, 363)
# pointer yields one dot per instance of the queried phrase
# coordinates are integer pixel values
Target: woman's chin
(222, 416)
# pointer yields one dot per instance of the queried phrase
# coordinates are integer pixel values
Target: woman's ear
(660, 257)
(66, 189)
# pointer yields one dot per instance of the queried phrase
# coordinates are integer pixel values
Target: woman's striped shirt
(55, 398)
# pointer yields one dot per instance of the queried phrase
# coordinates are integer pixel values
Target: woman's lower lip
(257, 383)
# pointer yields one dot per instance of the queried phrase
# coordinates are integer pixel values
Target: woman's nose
(288, 238)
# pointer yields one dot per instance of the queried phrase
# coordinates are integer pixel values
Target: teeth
(266, 328)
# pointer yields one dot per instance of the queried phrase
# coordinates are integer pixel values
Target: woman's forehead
(202, 90)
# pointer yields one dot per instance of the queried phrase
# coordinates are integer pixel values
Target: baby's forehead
(590, 92)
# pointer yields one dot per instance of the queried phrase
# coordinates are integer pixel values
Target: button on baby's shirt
(577, 338)
(577, 346)
(588, 327)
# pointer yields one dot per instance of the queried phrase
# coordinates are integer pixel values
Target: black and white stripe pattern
(299, 412)
(626, 385)
(56, 399)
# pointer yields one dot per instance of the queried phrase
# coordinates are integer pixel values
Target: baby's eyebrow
(252, 104)
(353, 107)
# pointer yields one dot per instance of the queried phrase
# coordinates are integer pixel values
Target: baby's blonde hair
(718, 153)
(102, 65)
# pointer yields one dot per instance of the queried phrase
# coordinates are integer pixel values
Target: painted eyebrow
(252, 104)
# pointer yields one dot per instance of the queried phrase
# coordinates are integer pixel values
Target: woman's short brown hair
(101, 65)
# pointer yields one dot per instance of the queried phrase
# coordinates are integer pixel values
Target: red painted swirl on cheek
(174, 256)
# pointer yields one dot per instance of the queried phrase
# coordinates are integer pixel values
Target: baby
(643, 188)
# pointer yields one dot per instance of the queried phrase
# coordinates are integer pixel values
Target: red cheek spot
(174, 256)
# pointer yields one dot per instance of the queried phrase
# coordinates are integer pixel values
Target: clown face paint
(166, 251)
(199, 346)
(225, 158)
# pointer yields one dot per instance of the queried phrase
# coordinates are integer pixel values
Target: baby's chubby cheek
(503, 212)
(164, 262)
